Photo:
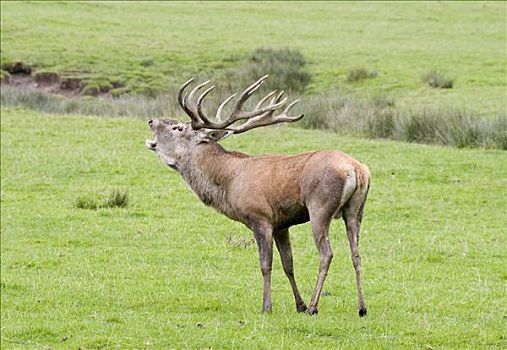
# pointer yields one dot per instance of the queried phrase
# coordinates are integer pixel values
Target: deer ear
(211, 135)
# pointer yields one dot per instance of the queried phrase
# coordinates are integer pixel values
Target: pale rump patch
(348, 189)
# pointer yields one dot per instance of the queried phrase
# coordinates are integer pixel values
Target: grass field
(153, 46)
(167, 272)
(163, 273)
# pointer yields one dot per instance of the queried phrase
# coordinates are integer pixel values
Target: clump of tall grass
(286, 68)
(437, 79)
(361, 73)
(86, 203)
(377, 118)
(116, 199)
(452, 127)
(122, 106)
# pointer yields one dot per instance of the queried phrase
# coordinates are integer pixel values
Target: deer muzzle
(152, 145)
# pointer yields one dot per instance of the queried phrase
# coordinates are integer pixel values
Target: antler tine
(203, 95)
(265, 98)
(197, 88)
(274, 100)
(269, 108)
(248, 92)
(181, 97)
(218, 116)
(268, 118)
(279, 95)
(191, 108)
(252, 88)
(283, 117)
(199, 104)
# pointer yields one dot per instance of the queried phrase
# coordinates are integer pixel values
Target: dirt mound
(71, 84)
(46, 77)
(28, 77)
(17, 68)
(23, 75)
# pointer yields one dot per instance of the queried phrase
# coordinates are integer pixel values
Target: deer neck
(209, 170)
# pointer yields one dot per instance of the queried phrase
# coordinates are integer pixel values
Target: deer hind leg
(352, 215)
(264, 237)
(282, 241)
(320, 228)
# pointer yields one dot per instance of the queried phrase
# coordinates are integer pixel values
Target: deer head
(174, 139)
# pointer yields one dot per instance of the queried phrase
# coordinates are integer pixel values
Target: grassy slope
(162, 274)
(158, 44)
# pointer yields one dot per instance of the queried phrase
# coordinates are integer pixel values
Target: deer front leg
(264, 237)
(320, 230)
(282, 240)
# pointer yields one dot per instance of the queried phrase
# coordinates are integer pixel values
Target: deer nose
(150, 122)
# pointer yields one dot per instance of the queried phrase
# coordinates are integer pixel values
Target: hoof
(362, 312)
(312, 311)
(301, 308)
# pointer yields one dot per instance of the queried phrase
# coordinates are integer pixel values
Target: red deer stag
(270, 193)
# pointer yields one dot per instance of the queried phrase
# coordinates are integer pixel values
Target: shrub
(437, 79)
(285, 66)
(357, 74)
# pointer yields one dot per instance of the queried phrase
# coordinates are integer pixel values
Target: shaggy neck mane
(207, 171)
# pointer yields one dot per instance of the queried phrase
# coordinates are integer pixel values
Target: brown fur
(271, 193)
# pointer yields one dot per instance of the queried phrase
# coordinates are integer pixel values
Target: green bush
(436, 79)
(357, 74)
(285, 67)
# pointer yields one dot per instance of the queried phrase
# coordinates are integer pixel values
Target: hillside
(151, 47)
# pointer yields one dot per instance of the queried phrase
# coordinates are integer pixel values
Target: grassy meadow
(167, 272)
(103, 247)
(150, 47)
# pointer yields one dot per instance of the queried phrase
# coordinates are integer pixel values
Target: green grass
(116, 199)
(149, 47)
(165, 272)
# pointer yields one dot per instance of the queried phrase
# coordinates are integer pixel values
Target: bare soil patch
(24, 76)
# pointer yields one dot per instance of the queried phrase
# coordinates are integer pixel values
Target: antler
(261, 115)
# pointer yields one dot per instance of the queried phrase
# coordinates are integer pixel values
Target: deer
(268, 193)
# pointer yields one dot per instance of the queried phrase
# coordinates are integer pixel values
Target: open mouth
(152, 145)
